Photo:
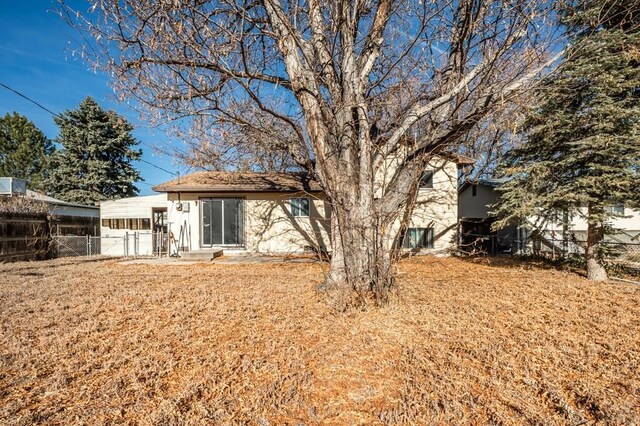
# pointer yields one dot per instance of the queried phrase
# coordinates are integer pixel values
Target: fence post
(126, 244)
(136, 243)
(88, 246)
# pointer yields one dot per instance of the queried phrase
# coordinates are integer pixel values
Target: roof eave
(230, 190)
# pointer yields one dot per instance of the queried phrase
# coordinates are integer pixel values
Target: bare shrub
(20, 204)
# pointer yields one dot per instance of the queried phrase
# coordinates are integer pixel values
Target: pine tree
(94, 163)
(582, 143)
(24, 150)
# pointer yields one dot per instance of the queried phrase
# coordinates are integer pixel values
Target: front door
(222, 222)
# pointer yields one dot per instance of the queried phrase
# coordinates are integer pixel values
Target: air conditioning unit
(10, 186)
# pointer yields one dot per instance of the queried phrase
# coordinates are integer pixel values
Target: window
(474, 190)
(618, 209)
(417, 238)
(134, 224)
(300, 207)
(426, 181)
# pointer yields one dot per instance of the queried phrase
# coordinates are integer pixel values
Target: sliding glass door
(222, 221)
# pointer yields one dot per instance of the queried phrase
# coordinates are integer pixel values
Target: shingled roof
(240, 182)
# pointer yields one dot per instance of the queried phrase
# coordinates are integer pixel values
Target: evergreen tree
(582, 145)
(24, 150)
(94, 163)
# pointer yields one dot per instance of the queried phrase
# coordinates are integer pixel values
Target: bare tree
(351, 84)
(261, 146)
(488, 142)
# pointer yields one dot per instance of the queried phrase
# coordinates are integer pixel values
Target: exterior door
(222, 222)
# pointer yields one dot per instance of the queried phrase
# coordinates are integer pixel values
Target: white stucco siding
(437, 207)
(269, 226)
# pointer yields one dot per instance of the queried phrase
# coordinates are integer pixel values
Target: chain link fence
(621, 251)
(135, 244)
(624, 257)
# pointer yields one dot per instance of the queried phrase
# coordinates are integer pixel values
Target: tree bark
(361, 270)
(595, 235)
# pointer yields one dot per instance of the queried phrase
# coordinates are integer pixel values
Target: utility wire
(59, 116)
(29, 99)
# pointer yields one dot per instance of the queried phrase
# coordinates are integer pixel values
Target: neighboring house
(474, 207)
(26, 225)
(69, 218)
(289, 213)
(141, 218)
(64, 218)
(475, 220)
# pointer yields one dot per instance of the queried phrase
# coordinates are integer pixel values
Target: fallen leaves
(461, 342)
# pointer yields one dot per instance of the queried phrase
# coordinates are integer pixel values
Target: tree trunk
(595, 235)
(361, 261)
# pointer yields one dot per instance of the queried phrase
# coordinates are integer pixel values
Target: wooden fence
(27, 236)
(74, 225)
(23, 236)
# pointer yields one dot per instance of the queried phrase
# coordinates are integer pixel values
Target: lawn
(475, 342)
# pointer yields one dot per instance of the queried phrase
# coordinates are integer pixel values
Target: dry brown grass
(461, 343)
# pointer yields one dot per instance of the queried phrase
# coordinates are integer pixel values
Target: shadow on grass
(527, 262)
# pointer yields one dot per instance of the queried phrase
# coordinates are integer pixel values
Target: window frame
(295, 210)
(144, 224)
(429, 182)
(127, 223)
(617, 209)
(426, 241)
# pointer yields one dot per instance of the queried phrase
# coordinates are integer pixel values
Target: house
(132, 224)
(475, 220)
(63, 218)
(474, 213)
(69, 218)
(244, 211)
(289, 213)
(28, 219)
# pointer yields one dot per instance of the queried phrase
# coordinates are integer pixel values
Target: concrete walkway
(233, 259)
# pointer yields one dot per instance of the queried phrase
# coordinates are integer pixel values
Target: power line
(29, 99)
(59, 116)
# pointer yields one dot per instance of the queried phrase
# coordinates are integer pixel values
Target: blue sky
(36, 60)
